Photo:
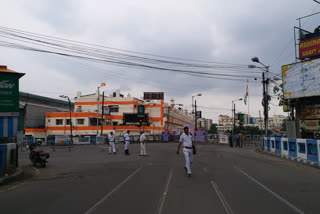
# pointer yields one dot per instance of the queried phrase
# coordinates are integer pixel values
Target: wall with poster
(310, 112)
(301, 79)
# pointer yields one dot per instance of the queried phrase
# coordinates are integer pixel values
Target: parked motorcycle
(38, 156)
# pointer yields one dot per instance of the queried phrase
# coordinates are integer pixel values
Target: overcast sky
(211, 30)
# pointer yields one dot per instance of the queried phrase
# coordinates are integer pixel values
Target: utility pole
(265, 106)
(234, 117)
(195, 113)
(98, 112)
(102, 115)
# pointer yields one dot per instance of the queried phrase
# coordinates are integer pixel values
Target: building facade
(87, 116)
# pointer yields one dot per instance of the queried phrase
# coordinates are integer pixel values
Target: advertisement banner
(309, 48)
(311, 125)
(310, 112)
(301, 79)
(9, 93)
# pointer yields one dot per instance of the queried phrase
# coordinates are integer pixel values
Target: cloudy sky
(206, 30)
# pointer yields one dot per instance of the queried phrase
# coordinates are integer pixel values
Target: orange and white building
(162, 116)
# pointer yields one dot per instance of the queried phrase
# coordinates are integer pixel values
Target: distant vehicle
(37, 156)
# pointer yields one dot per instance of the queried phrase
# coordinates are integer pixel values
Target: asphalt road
(224, 180)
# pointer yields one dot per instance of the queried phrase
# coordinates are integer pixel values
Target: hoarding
(311, 125)
(9, 92)
(153, 96)
(301, 79)
(309, 48)
(310, 112)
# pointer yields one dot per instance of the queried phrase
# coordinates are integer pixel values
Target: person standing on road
(189, 148)
(143, 138)
(230, 140)
(238, 140)
(127, 142)
(111, 144)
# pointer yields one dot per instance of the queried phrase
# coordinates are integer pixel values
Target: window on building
(115, 123)
(67, 121)
(59, 121)
(79, 109)
(114, 108)
(80, 121)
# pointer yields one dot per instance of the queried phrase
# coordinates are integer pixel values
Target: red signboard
(309, 48)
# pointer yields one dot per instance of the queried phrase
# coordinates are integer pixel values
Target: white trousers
(126, 145)
(112, 147)
(188, 155)
(143, 149)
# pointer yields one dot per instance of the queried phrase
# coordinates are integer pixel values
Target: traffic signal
(241, 125)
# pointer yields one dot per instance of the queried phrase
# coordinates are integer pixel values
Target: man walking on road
(143, 138)
(189, 148)
(127, 142)
(111, 144)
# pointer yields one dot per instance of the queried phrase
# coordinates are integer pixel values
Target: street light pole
(233, 105)
(195, 112)
(265, 92)
(98, 110)
(69, 102)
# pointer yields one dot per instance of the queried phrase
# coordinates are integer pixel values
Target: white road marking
(93, 209)
(222, 198)
(271, 192)
(163, 197)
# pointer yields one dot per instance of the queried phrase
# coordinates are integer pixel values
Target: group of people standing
(111, 139)
(238, 138)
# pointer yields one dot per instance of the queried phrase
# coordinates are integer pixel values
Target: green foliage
(213, 129)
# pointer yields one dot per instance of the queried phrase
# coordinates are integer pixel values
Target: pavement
(224, 180)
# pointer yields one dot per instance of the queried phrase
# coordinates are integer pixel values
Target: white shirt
(142, 138)
(126, 137)
(111, 138)
(186, 140)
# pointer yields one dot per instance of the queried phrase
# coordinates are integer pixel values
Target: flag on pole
(246, 96)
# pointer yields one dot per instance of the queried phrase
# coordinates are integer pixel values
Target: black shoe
(189, 175)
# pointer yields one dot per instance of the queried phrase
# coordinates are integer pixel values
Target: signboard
(241, 118)
(9, 92)
(309, 48)
(301, 79)
(312, 125)
(310, 112)
(199, 114)
(153, 96)
(140, 110)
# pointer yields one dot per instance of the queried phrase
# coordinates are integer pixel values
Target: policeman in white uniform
(189, 149)
(127, 142)
(143, 138)
(111, 144)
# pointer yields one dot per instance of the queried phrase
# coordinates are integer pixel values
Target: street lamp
(265, 91)
(233, 110)
(169, 107)
(195, 109)
(71, 136)
(101, 85)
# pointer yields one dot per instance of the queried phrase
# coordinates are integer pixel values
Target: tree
(213, 129)
(283, 126)
(278, 91)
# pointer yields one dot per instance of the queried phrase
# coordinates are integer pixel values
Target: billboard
(9, 92)
(310, 112)
(309, 48)
(311, 125)
(301, 79)
(153, 96)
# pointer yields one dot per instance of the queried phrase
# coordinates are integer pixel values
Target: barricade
(302, 150)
